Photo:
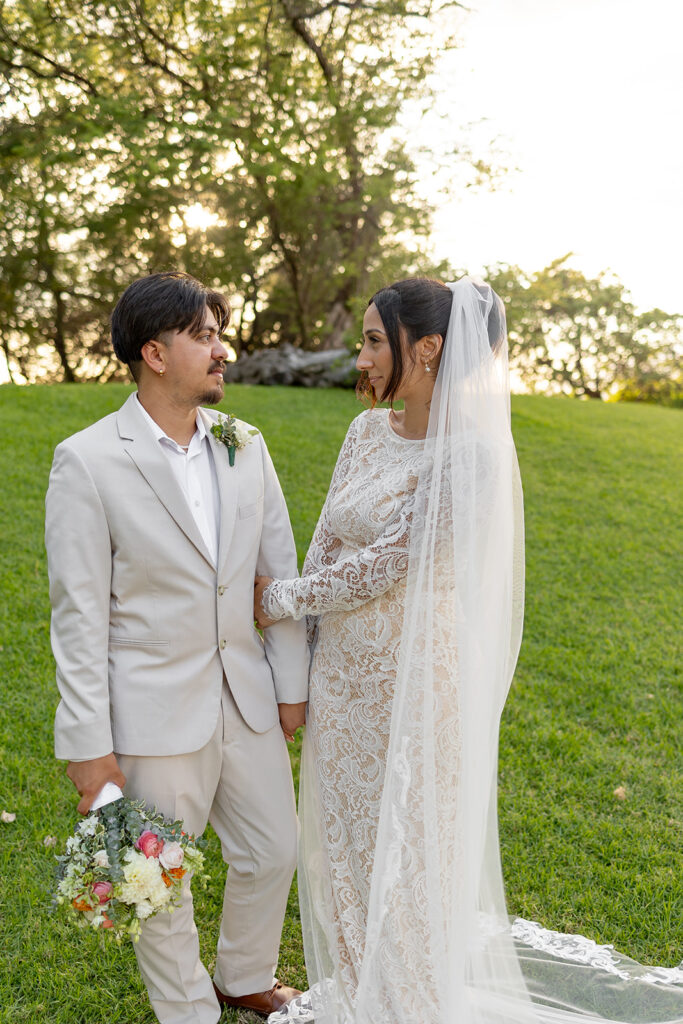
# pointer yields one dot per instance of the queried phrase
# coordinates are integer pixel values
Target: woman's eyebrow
(374, 330)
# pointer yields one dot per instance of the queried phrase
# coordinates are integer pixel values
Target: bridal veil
(440, 948)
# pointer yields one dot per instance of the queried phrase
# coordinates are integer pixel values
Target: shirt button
(221, 591)
(222, 644)
(197, 504)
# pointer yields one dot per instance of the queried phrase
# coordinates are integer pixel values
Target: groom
(153, 541)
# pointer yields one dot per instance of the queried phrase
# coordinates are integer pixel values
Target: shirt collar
(159, 434)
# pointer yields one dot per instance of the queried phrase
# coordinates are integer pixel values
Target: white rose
(101, 860)
(144, 909)
(172, 856)
(243, 433)
(142, 881)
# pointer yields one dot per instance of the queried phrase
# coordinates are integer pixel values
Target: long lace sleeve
(325, 546)
(348, 582)
(330, 582)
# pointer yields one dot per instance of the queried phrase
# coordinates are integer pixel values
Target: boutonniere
(233, 433)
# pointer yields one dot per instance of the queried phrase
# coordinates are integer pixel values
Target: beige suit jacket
(144, 624)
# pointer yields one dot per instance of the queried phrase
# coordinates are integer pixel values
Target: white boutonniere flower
(233, 433)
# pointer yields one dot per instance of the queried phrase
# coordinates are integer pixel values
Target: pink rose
(102, 891)
(172, 856)
(150, 844)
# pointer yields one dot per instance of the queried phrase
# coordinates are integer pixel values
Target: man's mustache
(218, 366)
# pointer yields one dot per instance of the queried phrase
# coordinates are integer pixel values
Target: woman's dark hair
(414, 308)
(152, 305)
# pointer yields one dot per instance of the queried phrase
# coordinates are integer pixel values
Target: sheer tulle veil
(440, 947)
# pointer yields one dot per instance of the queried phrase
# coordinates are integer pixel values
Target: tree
(250, 143)
(580, 335)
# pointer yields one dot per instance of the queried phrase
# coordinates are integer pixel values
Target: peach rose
(150, 844)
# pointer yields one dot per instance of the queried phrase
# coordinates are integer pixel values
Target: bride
(413, 588)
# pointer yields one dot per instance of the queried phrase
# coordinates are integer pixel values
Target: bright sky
(586, 97)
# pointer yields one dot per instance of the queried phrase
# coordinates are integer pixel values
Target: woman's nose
(363, 362)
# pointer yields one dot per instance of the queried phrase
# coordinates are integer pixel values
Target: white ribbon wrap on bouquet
(107, 795)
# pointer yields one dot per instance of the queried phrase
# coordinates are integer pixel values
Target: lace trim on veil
(582, 950)
(561, 946)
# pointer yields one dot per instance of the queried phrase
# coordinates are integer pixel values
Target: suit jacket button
(221, 591)
(222, 644)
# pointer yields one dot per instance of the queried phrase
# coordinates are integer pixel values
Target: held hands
(262, 620)
(89, 776)
(292, 716)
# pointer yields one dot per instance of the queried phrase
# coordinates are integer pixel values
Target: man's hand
(89, 776)
(260, 584)
(292, 716)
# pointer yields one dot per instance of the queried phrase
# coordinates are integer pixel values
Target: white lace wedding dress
(353, 580)
(353, 583)
(353, 590)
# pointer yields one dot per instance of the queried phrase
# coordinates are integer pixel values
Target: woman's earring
(162, 372)
(428, 368)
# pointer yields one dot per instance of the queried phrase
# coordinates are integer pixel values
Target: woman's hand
(260, 584)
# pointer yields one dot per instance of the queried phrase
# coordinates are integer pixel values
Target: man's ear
(153, 353)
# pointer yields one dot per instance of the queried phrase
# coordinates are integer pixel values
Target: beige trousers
(241, 782)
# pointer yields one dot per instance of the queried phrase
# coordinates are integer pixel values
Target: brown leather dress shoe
(260, 1002)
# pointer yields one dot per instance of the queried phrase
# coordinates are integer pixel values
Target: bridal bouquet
(122, 865)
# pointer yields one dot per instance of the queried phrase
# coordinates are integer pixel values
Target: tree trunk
(339, 323)
(59, 338)
(5, 348)
(46, 262)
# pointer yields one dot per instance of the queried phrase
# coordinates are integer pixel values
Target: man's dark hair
(152, 305)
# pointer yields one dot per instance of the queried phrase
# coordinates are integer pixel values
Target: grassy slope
(596, 702)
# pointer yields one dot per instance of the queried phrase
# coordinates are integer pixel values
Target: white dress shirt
(195, 471)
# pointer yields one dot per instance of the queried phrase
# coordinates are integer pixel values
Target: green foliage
(595, 705)
(667, 391)
(583, 336)
(276, 120)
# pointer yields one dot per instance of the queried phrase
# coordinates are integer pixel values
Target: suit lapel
(228, 491)
(146, 453)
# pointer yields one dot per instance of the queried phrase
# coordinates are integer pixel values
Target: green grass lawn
(596, 703)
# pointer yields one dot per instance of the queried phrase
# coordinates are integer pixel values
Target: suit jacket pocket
(246, 511)
(126, 641)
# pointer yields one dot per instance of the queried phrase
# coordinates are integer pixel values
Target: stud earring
(162, 372)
